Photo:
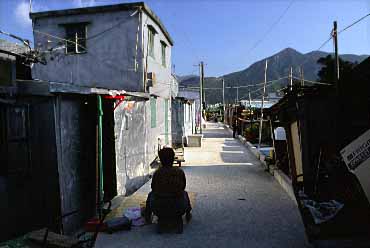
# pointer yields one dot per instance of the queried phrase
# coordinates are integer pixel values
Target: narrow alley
(237, 203)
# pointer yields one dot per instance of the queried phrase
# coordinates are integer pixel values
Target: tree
(327, 72)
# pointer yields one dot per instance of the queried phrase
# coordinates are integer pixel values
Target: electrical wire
(339, 32)
(271, 28)
(354, 23)
(318, 49)
(114, 26)
(59, 38)
(268, 84)
(24, 41)
(314, 82)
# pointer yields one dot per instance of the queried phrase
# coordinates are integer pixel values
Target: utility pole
(201, 84)
(337, 125)
(291, 78)
(223, 94)
(204, 96)
(250, 107)
(302, 77)
(335, 38)
(237, 94)
(263, 100)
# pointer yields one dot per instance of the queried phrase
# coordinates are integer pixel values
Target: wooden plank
(54, 240)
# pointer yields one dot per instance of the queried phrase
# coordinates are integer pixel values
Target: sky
(223, 33)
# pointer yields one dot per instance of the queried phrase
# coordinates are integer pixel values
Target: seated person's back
(168, 196)
(168, 180)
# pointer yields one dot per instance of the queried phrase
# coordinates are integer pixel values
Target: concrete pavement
(238, 204)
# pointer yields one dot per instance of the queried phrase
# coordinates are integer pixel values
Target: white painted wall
(164, 79)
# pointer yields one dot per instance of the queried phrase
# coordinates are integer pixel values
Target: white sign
(356, 155)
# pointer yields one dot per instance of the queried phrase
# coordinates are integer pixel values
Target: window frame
(151, 41)
(164, 53)
(79, 30)
(153, 112)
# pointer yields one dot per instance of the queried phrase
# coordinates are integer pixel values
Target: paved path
(238, 204)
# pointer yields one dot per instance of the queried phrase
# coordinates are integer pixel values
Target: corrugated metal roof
(12, 47)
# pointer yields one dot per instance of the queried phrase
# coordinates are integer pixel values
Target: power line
(331, 35)
(114, 26)
(59, 38)
(313, 82)
(271, 27)
(268, 83)
(244, 86)
(354, 23)
(318, 49)
(199, 87)
(24, 41)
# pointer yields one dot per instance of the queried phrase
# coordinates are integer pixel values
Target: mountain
(278, 66)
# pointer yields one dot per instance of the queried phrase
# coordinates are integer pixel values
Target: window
(190, 112)
(153, 112)
(76, 38)
(163, 47)
(151, 35)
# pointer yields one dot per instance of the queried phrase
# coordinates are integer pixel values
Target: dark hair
(167, 156)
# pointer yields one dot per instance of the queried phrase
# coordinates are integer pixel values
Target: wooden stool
(168, 223)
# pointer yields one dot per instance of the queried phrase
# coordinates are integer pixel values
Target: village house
(120, 47)
(49, 149)
(90, 119)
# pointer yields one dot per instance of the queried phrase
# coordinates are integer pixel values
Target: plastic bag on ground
(134, 214)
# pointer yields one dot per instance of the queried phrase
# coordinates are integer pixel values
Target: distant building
(12, 64)
(269, 100)
(194, 96)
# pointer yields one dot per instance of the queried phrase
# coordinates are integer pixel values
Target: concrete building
(117, 47)
(192, 123)
(183, 120)
(123, 46)
(120, 54)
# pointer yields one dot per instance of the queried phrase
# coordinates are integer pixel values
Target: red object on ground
(92, 225)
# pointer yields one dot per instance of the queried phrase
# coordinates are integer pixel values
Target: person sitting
(168, 198)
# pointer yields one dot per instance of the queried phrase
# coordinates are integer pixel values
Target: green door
(166, 120)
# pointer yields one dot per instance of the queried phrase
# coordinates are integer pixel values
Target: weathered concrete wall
(110, 63)
(137, 142)
(114, 44)
(130, 133)
(110, 58)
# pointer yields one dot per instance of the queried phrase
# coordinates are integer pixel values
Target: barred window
(75, 38)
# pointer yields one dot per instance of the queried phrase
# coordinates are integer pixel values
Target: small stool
(167, 223)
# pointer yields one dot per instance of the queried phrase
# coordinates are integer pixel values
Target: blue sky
(222, 32)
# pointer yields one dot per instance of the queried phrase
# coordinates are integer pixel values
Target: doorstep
(121, 203)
